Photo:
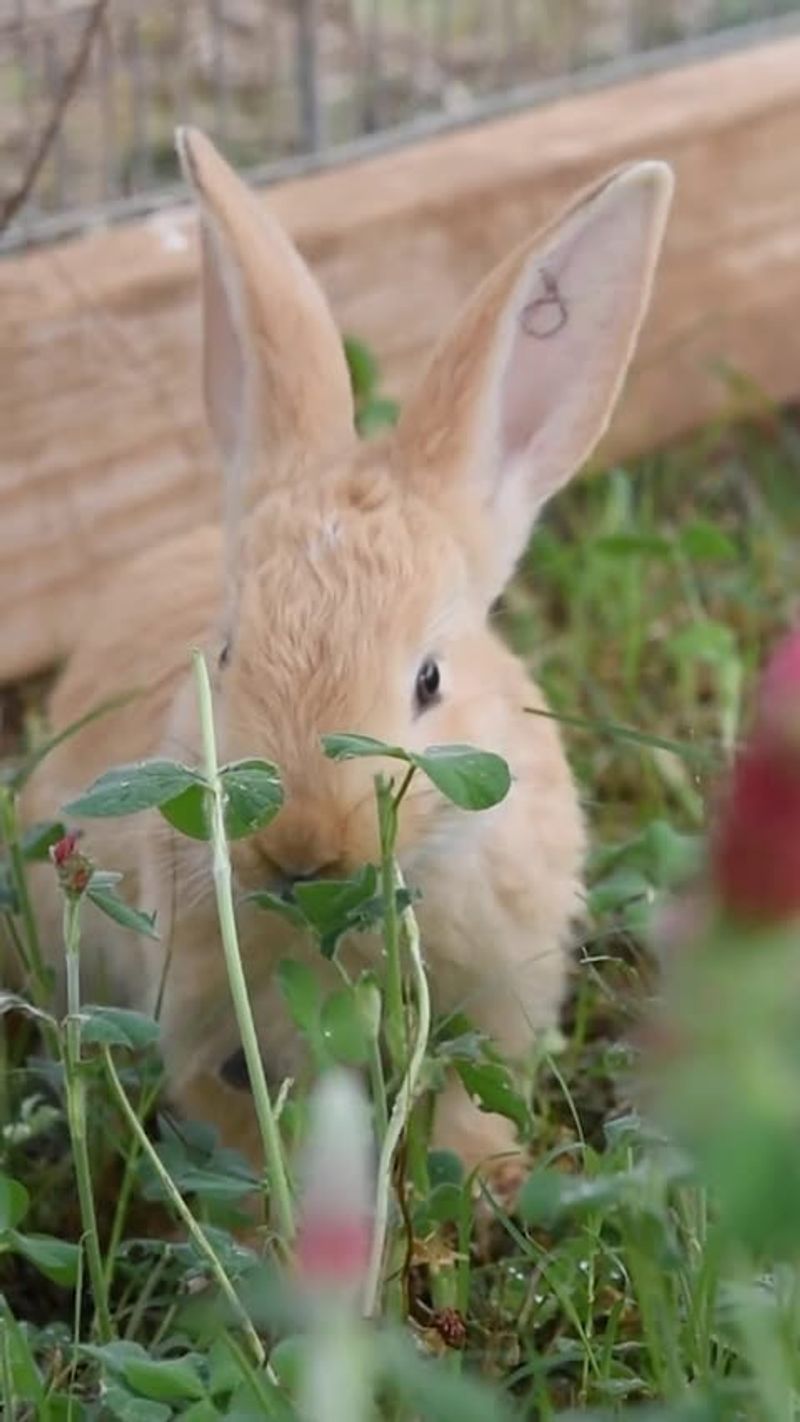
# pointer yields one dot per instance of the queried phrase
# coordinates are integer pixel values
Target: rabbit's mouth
(258, 873)
(274, 861)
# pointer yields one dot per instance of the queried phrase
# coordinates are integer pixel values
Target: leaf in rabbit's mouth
(331, 908)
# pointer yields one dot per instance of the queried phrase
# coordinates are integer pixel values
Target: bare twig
(10, 205)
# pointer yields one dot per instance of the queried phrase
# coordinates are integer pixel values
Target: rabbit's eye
(429, 679)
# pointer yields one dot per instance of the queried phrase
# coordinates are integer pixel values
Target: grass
(644, 604)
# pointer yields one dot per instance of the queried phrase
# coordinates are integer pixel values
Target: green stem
(32, 956)
(465, 1225)
(5, 1110)
(167, 1320)
(195, 1232)
(378, 1089)
(76, 1116)
(76, 1339)
(145, 1295)
(265, 1387)
(403, 1101)
(15, 943)
(126, 1188)
(445, 1292)
(417, 1137)
(8, 1385)
(395, 1013)
(268, 1125)
(404, 784)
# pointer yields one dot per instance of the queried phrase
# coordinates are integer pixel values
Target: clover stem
(404, 1100)
(395, 1012)
(195, 1232)
(223, 885)
(75, 1086)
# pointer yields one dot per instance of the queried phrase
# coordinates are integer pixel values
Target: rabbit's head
(359, 576)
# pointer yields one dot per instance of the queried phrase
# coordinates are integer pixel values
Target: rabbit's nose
(304, 842)
(286, 879)
(289, 880)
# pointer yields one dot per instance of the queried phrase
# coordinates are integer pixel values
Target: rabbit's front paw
(503, 1180)
(485, 1143)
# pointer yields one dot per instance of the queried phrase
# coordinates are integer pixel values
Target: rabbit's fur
(343, 567)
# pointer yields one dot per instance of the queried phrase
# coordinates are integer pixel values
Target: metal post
(308, 76)
(221, 95)
(25, 70)
(109, 178)
(371, 68)
(51, 77)
(140, 167)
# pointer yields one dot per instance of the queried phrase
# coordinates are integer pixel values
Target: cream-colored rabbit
(351, 592)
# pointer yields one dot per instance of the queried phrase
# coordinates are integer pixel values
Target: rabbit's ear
(520, 391)
(277, 387)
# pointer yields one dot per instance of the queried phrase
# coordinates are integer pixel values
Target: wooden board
(103, 449)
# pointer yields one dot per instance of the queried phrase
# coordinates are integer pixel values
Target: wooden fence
(103, 448)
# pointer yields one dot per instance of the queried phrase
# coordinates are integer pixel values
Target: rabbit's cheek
(249, 866)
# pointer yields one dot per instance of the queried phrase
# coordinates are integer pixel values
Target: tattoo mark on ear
(548, 314)
(224, 653)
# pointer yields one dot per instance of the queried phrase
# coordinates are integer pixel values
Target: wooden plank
(103, 448)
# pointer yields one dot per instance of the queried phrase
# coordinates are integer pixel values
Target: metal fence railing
(284, 84)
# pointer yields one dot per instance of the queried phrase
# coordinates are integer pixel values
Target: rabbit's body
(497, 889)
(356, 566)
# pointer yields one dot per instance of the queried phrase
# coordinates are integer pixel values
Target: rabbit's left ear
(522, 388)
(277, 387)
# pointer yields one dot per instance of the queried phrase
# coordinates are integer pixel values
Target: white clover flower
(338, 1187)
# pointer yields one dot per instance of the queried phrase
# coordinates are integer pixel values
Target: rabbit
(349, 588)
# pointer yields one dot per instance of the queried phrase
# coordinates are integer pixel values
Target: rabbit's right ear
(277, 387)
(523, 386)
